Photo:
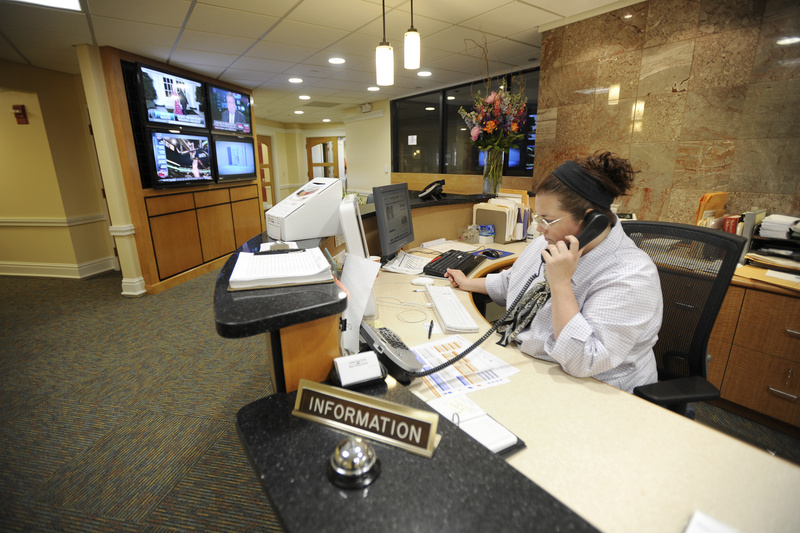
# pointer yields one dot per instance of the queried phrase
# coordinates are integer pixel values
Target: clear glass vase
(492, 170)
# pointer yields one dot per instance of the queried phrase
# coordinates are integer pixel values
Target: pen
(430, 329)
(270, 252)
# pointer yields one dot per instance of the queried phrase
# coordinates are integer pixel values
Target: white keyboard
(452, 313)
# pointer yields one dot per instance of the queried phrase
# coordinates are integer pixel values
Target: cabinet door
(176, 242)
(769, 385)
(770, 323)
(246, 219)
(216, 231)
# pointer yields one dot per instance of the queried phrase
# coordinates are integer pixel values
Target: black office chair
(695, 266)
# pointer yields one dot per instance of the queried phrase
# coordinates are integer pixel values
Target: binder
(750, 220)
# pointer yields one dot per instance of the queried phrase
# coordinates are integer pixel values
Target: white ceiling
(260, 44)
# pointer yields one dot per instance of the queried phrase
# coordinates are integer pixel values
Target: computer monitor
(393, 213)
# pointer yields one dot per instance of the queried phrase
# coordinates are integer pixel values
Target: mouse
(422, 281)
(491, 253)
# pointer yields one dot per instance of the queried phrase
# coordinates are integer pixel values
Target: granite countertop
(463, 487)
(252, 312)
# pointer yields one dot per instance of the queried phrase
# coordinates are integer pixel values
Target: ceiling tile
(125, 34)
(275, 8)
(302, 34)
(214, 42)
(229, 21)
(161, 12)
(340, 15)
(268, 50)
(182, 55)
(510, 18)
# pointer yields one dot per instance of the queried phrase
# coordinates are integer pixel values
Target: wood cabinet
(195, 228)
(755, 350)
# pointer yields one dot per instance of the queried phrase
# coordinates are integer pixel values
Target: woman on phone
(595, 310)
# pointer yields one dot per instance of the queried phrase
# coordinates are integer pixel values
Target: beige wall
(708, 101)
(52, 218)
(369, 148)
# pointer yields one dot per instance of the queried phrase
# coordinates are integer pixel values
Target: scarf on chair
(523, 313)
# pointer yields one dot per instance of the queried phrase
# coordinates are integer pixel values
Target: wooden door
(265, 169)
(323, 157)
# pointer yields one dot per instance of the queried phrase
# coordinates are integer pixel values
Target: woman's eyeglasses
(544, 223)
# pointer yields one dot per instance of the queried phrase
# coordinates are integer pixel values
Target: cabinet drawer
(243, 193)
(171, 203)
(215, 197)
(769, 385)
(770, 323)
(725, 325)
(719, 352)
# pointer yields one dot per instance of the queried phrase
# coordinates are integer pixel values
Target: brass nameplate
(408, 428)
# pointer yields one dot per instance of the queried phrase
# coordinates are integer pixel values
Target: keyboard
(453, 316)
(391, 350)
(455, 259)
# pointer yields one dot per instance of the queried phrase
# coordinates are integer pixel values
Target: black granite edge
(368, 210)
(251, 312)
(463, 487)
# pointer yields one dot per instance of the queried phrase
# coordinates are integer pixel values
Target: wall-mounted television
(230, 110)
(235, 157)
(180, 159)
(171, 99)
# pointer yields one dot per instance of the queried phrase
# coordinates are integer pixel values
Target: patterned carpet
(119, 413)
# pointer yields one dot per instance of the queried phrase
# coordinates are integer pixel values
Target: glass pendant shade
(411, 47)
(384, 64)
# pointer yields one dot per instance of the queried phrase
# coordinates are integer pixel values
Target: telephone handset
(432, 191)
(594, 223)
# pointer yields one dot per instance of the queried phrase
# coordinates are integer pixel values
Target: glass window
(423, 131)
(418, 134)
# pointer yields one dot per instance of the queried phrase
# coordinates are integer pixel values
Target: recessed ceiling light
(326, 120)
(298, 112)
(788, 40)
(430, 108)
(373, 88)
(72, 5)
(451, 97)
(423, 73)
(304, 97)
(295, 80)
(336, 60)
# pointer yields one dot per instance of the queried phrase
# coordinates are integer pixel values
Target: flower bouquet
(495, 124)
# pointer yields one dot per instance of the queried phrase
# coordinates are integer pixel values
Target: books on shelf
(279, 269)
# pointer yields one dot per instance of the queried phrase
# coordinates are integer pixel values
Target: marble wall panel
(623, 30)
(648, 203)
(670, 21)
(767, 165)
(611, 124)
(574, 124)
(666, 68)
(681, 205)
(552, 42)
(578, 83)
(723, 59)
(546, 122)
(704, 165)
(583, 41)
(655, 163)
(772, 109)
(549, 88)
(739, 202)
(775, 61)
(713, 113)
(658, 118)
(724, 15)
(550, 157)
(618, 76)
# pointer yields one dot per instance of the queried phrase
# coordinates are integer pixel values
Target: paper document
(280, 269)
(358, 276)
(471, 419)
(478, 370)
(404, 263)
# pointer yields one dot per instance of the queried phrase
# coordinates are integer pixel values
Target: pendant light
(384, 58)
(411, 45)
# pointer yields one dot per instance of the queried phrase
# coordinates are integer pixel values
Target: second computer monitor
(393, 212)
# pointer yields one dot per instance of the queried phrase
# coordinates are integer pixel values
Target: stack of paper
(297, 267)
(475, 422)
(777, 226)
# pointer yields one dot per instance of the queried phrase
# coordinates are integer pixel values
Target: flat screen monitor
(235, 158)
(230, 110)
(180, 159)
(393, 213)
(172, 100)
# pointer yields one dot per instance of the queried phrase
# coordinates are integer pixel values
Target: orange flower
(514, 126)
(490, 126)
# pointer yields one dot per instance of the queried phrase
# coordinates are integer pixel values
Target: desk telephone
(401, 362)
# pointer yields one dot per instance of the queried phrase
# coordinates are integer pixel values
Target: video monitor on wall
(230, 110)
(235, 158)
(180, 159)
(170, 99)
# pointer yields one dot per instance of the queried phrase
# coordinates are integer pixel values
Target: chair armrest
(678, 391)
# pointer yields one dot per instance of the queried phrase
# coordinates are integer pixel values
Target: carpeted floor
(118, 414)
